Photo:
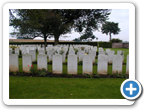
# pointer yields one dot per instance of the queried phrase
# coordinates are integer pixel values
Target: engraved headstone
(87, 65)
(127, 65)
(13, 63)
(33, 53)
(117, 64)
(26, 62)
(42, 61)
(102, 64)
(57, 64)
(72, 64)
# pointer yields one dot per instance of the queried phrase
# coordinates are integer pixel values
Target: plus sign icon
(131, 89)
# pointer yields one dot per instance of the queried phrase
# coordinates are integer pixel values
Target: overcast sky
(120, 16)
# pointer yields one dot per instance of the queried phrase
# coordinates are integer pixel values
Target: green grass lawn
(79, 71)
(64, 88)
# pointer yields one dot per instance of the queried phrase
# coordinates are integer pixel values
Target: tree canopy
(87, 35)
(110, 28)
(56, 22)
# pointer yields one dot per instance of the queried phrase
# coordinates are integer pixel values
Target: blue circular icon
(130, 89)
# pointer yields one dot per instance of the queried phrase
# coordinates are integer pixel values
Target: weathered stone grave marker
(17, 51)
(72, 64)
(13, 62)
(33, 53)
(41, 51)
(26, 62)
(110, 56)
(57, 64)
(42, 61)
(127, 65)
(87, 64)
(117, 64)
(102, 64)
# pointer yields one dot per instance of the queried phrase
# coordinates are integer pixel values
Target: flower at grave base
(28, 65)
(85, 53)
(32, 66)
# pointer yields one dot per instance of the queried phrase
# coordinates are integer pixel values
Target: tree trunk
(56, 40)
(45, 42)
(110, 36)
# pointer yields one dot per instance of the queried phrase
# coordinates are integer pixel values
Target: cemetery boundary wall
(101, 44)
(120, 45)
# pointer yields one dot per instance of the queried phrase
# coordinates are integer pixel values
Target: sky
(120, 16)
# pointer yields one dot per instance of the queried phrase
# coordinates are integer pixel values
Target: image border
(8, 6)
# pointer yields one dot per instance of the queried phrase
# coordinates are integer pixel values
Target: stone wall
(120, 45)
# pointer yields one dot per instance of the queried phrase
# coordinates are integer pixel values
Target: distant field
(30, 40)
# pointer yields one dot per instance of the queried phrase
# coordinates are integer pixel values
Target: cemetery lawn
(64, 88)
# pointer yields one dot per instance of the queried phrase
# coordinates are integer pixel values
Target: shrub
(97, 76)
(82, 48)
(87, 75)
(118, 75)
(42, 72)
(61, 52)
(33, 71)
(13, 47)
(76, 50)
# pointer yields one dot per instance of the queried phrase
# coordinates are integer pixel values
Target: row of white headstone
(72, 63)
(80, 53)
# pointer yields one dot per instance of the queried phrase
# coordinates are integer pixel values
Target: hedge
(101, 44)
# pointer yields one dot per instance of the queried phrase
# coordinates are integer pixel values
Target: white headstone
(110, 56)
(33, 53)
(23, 50)
(13, 63)
(71, 52)
(27, 50)
(81, 57)
(102, 64)
(17, 51)
(10, 52)
(57, 64)
(63, 57)
(41, 52)
(87, 64)
(127, 65)
(72, 64)
(117, 64)
(42, 61)
(10, 48)
(92, 52)
(101, 49)
(107, 50)
(92, 57)
(101, 52)
(26, 62)
(120, 52)
(50, 54)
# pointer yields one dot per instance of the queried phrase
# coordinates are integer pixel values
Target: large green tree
(56, 22)
(87, 35)
(110, 28)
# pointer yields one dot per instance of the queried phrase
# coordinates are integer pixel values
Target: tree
(116, 40)
(87, 35)
(110, 28)
(76, 39)
(56, 22)
(36, 23)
